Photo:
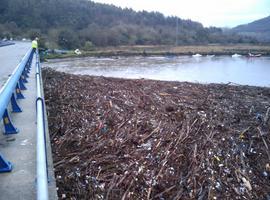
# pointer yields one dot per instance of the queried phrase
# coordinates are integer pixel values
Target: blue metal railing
(6, 43)
(8, 95)
(42, 172)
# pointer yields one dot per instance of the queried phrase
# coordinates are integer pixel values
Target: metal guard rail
(8, 95)
(42, 171)
(6, 43)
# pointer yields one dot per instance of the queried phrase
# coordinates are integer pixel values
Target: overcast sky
(221, 13)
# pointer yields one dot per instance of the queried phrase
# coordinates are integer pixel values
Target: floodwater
(220, 69)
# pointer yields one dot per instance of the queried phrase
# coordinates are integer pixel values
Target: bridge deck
(10, 57)
(20, 149)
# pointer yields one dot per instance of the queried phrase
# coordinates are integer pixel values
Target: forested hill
(72, 24)
(259, 29)
(261, 25)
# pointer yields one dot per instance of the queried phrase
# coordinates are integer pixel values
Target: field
(167, 50)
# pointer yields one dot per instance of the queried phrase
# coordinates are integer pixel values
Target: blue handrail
(8, 89)
(16, 82)
(13, 86)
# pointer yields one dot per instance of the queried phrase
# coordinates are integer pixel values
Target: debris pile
(142, 139)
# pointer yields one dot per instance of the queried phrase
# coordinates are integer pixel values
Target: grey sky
(222, 13)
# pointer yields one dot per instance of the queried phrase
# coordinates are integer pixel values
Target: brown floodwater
(220, 69)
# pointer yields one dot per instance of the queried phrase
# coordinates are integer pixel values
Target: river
(220, 69)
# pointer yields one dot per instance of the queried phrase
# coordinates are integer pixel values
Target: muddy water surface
(224, 69)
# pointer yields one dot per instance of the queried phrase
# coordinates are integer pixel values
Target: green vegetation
(84, 24)
(164, 51)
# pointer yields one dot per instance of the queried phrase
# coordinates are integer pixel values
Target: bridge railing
(11, 91)
(42, 170)
(6, 43)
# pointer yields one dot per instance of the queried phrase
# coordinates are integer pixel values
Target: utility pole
(176, 33)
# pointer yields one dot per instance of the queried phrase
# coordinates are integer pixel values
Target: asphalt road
(10, 57)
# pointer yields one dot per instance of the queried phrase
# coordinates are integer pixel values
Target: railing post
(25, 73)
(9, 127)
(5, 166)
(23, 78)
(19, 94)
(15, 107)
(21, 84)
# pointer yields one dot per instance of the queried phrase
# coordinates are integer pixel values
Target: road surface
(10, 57)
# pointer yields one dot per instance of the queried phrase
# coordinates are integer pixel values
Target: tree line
(72, 24)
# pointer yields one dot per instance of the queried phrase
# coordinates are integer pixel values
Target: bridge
(26, 167)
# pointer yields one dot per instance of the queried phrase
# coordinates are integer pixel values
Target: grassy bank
(142, 139)
(168, 50)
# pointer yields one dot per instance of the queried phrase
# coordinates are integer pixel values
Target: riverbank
(167, 51)
(143, 139)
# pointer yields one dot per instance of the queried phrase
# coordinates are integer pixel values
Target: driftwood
(142, 139)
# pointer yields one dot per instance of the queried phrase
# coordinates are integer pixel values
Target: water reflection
(224, 69)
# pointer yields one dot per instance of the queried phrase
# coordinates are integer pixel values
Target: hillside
(82, 23)
(262, 25)
(259, 29)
